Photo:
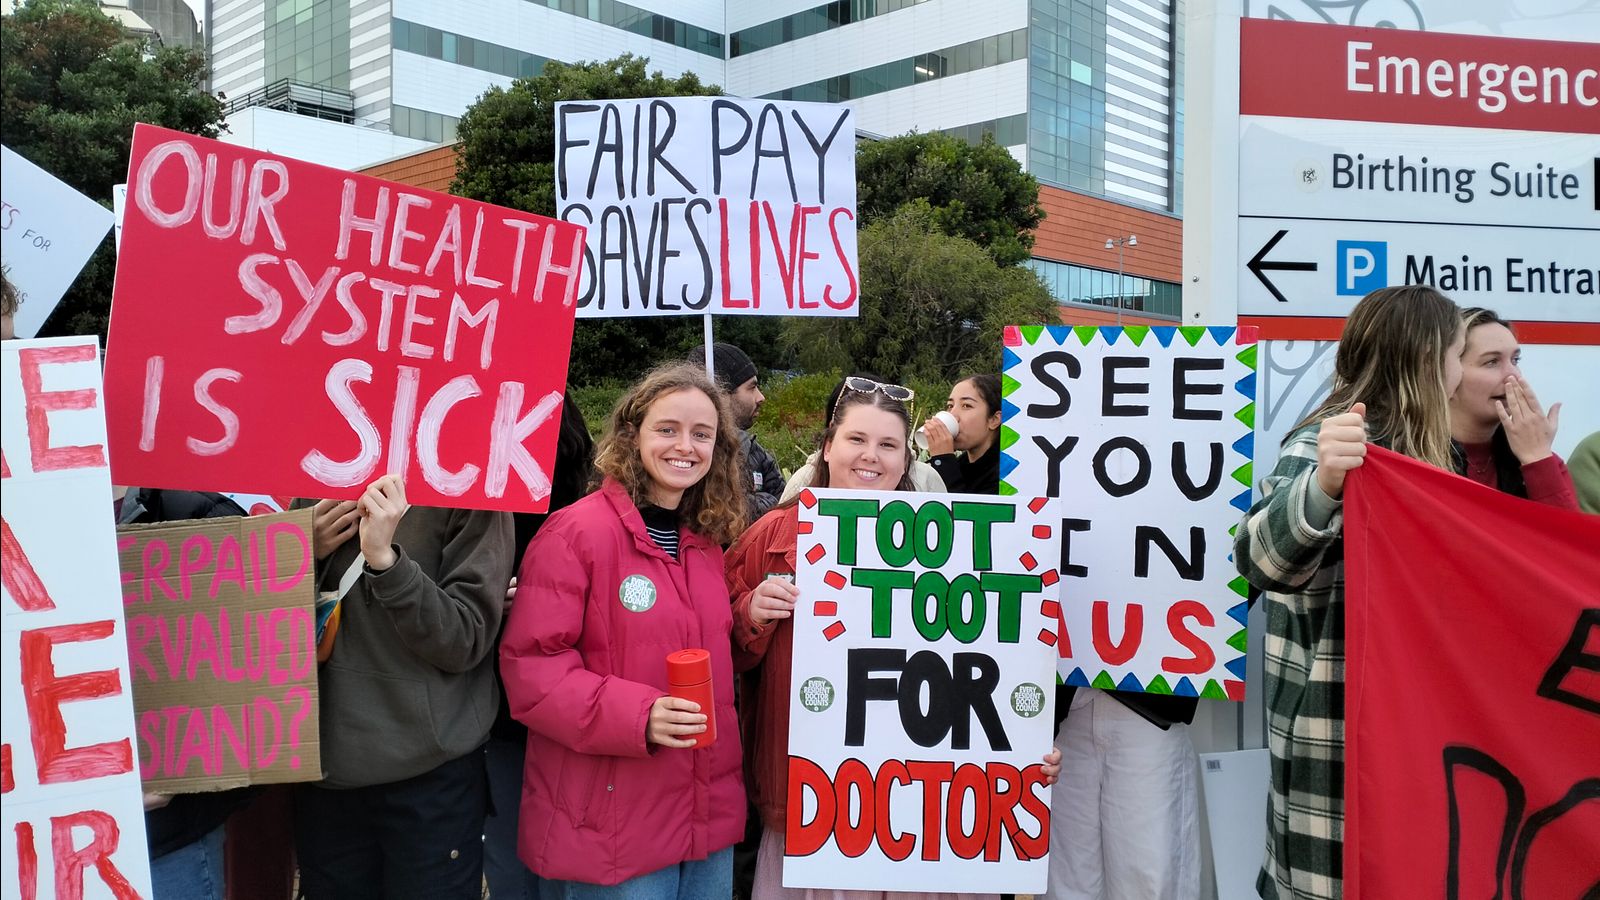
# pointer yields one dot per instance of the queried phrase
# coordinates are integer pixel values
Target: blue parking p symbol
(1362, 267)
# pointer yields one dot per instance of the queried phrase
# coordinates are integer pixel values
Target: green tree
(72, 85)
(932, 305)
(507, 157)
(978, 192)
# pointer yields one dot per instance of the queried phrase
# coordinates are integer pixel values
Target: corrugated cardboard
(222, 651)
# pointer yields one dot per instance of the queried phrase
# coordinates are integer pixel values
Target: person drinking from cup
(864, 448)
(623, 796)
(963, 440)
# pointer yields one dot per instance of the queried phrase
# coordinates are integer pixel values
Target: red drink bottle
(689, 678)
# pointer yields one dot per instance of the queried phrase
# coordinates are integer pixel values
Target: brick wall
(433, 169)
(1076, 226)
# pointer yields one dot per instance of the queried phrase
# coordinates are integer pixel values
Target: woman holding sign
(865, 447)
(629, 791)
(1500, 436)
(1398, 363)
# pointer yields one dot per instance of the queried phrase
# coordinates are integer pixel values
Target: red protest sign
(288, 329)
(1472, 661)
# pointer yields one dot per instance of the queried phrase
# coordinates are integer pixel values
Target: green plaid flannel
(1300, 568)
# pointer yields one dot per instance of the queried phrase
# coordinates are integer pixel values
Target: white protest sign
(924, 648)
(1146, 435)
(711, 205)
(73, 820)
(47, 232)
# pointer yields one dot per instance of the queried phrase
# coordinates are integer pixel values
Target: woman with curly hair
(617, 799)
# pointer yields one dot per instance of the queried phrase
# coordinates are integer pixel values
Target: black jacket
(970, 476)
(766, 479)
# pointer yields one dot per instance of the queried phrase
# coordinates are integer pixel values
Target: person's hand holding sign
(1052, 766)
(1341, 447)
(381, 508)
(771, 600)
(332, 523)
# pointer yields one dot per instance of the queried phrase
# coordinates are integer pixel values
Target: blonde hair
(715, 505)
(1392, 358)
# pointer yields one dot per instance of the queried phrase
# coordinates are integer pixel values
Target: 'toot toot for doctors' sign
(923, 676)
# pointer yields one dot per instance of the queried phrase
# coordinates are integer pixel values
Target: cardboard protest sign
(47, 233)
(223, 649)
(1472, 694)
(924, 659)
(711, 205)
(287, 329)
(1145, 433)
(73, 820)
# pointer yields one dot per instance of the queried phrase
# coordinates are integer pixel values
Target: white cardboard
(661, 244)
(49, 232)
(1103, 401)
(1019, 657)
(63, 525)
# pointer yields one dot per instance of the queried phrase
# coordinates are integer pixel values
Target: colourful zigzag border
(1244, 336)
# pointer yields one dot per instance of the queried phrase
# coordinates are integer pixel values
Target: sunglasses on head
(897, 392)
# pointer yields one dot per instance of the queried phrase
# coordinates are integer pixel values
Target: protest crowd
(493, 715)
(580, 669)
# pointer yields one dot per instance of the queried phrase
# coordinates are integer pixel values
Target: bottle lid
(689, 666)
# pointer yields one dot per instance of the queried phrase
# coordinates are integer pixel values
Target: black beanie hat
(733, 368)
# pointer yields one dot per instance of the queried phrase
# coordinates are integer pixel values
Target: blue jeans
(508, 878)
(698, 879)
(191, 872)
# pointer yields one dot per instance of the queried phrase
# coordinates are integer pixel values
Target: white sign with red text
(73, 821)
(711, 205)
(1467, 162)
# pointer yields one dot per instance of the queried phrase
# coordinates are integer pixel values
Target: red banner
(289, 329)
(1316, 71)
(1472, 667)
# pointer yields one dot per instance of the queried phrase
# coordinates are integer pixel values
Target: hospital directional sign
(1466, 162)
(1320, 268)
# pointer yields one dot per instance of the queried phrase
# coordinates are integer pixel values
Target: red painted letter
(1204, 657)
(44, 693)
(70, 863)
(40, 403)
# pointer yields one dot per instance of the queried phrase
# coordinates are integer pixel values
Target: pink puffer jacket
(598, 608)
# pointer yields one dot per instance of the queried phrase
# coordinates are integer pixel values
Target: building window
(1084, 286)
(1007, 132)
(806, 23)
(308, 41)
(464, 51)
(422, 124)
(994, 50)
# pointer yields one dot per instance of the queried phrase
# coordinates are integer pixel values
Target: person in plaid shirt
(1398, 362)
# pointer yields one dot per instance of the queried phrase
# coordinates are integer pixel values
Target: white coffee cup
(949, 420)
